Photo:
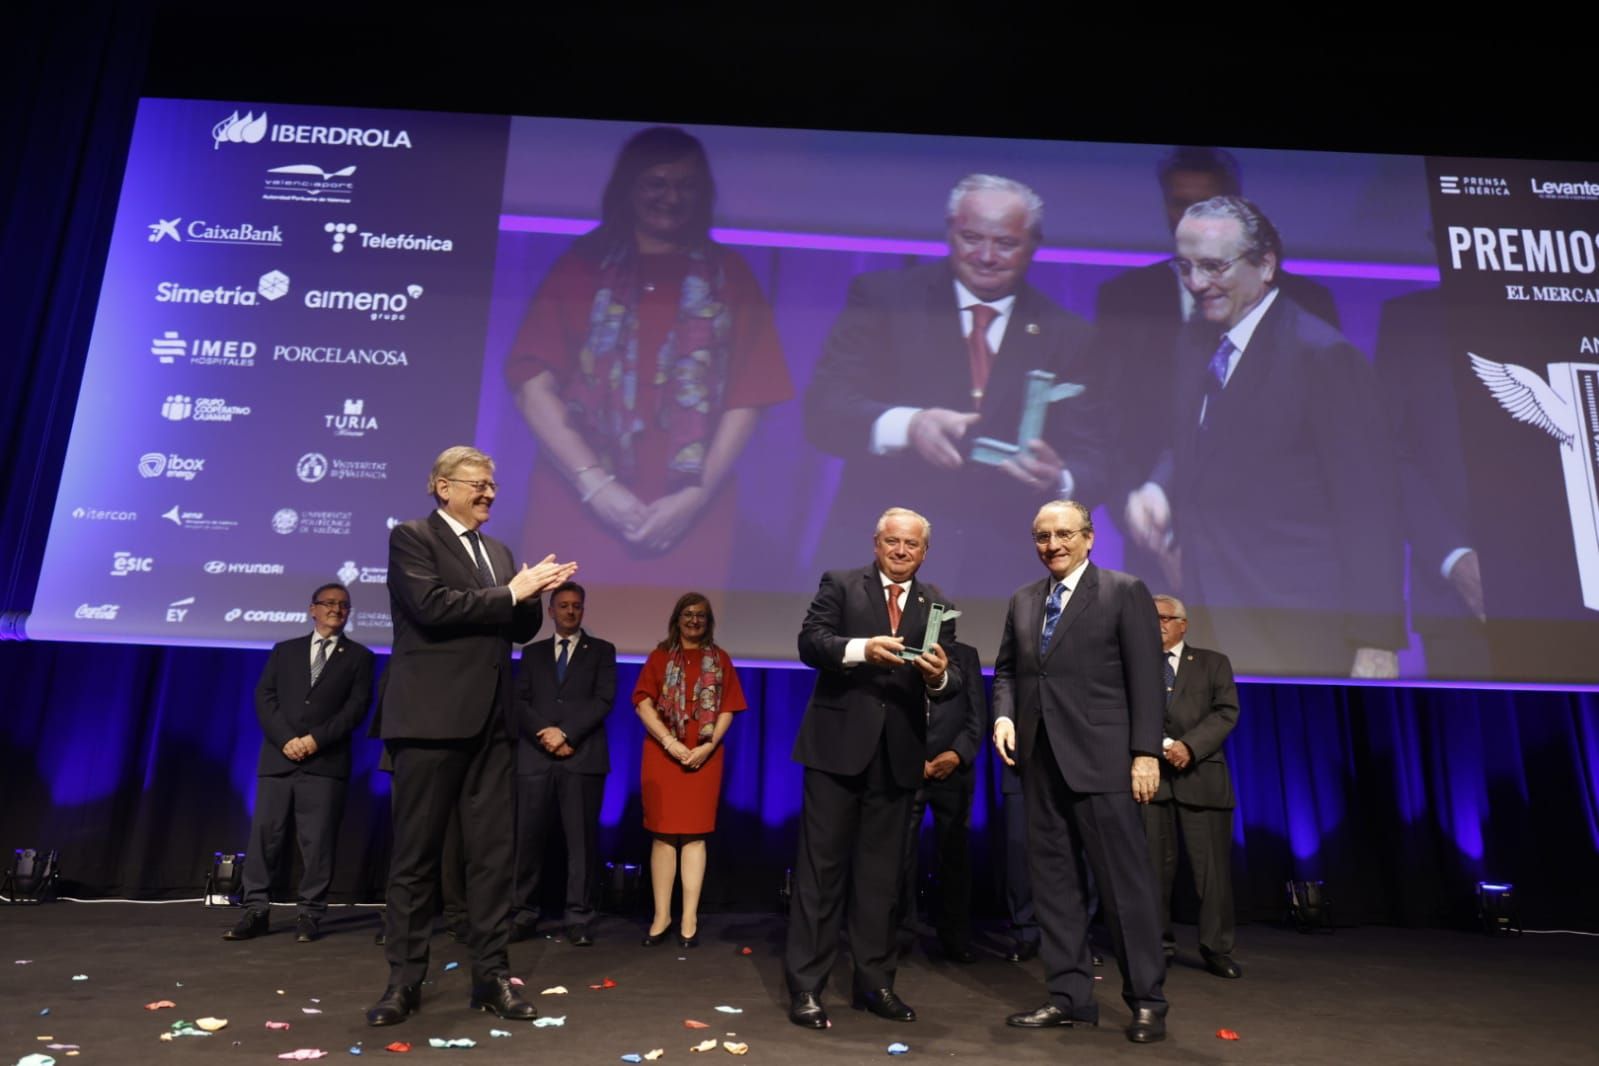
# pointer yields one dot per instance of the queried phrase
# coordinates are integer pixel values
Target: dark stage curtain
(137, 763)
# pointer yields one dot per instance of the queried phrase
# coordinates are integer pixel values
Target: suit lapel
(454, 547)
(943, 344)
(1249, 377)
(1030, 618)
(1086, 589)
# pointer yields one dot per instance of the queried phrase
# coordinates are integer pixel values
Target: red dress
(550, 338)
(678, 800)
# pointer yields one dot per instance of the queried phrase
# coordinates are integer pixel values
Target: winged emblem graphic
(1527, 397)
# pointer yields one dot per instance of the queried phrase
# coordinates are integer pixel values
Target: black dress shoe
(805, 1010)
(1147, 1026)
(500, 997)
(1046, 1017)
(578, 936)
(1170, 949)
(883, 1003)
(306, 930)
(459, 931)
(1099, 960)
(397, 1004)
(380, 938)
(962, 953)
(688, 941)
(252, 925)
(1023, 950)
(1222, 966)
(522, 929)
(652, 939)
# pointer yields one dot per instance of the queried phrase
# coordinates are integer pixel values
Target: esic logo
(251, 129)
(154, 464)
(125, 563)
(270, 286)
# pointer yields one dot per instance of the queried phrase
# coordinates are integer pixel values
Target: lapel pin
(920, 600)
(1032, 328)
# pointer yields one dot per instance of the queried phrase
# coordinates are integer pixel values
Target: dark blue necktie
(1216, 381)
(1052, 613)
(560, 661)
(321, 661)
(1171, 676)
(484, 574)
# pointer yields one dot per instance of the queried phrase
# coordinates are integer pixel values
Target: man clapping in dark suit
(1077, 704)
(1196, 790)
(313, 693)
(563, 695)
(458, 603)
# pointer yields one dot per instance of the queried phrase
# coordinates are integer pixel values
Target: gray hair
(1070, 505)
(905, 512)
(994, 183)
(452, 459)
(1260, 236)
(1176, 605)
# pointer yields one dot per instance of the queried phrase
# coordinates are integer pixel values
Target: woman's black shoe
(652, 939)
(688, 941)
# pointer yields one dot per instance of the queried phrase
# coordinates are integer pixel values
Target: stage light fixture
(622, 881)
(225, 879)
(33, 875)
(1309, 910)
(1496, 907)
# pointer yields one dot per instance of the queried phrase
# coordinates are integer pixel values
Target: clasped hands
(542, 576)
(691, 758)
(300, 748)
(656, 526)
(931, 664)
(553, 739)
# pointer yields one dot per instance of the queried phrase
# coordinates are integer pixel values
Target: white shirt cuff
(855, 651)
(892, 430)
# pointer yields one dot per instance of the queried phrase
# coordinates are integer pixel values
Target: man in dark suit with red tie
(1196, 789)
(863, 743)
(1077, 705)
(313, 693)
(563, 694)
(458, 602)
(923, 361)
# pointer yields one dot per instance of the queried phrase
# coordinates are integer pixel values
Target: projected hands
(1148, 521)
(1039, 467)
(935, 434)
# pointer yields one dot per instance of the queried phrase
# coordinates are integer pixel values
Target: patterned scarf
(691, 367)
(677, 712)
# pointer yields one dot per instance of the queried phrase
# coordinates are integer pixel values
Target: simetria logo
(236, 130)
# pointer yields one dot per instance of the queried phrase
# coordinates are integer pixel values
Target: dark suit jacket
(577, 705)
(852, 707)
(1203, 710)
(1138, 316)
(1097, 688)
(898, 343)
(1286, 504)
(289, 706)
(451, 665)
(957, 725)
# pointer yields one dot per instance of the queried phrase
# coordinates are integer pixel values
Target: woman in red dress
(686, 696)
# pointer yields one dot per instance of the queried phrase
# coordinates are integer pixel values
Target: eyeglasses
(1065, 536)
(1164, 618)
(477, 486)
(332, 605)
(693, 616)
(1205, 268)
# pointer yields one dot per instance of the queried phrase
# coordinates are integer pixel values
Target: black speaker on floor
(1309, 910)
(621, 890)
(1496, 907)
(226, 879)
(32, 877)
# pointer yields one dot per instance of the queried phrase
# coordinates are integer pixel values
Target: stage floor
(1358, 997)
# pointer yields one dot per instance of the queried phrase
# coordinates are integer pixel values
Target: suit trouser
(1207, 834)
(1063, 827)
(316, 803)
(852, 839)
(1018, 880)
(433, 779)
(951, 801)
(577, 799)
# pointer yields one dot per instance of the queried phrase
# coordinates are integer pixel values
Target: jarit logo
(155, 464)
(170, 347)
(378, 306)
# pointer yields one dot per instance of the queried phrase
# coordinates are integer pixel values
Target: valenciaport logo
(310, 184)
(171, 346)
(199, 231)
(97, 612)
(180, 408)
(125, 563)
(377, 306)
(170, 464)
(219, 566)
(251, 128)
(320, 523)
(198, 520)
(270, 286)
(353, 421)
(101, 514)
(241, 614)
(334, 355)
(342, 232)
(352, 574)
(1472, 185)
(1564, 190)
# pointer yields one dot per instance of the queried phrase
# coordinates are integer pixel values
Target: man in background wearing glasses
(459, 602)
(1077, 706)
(313, 693)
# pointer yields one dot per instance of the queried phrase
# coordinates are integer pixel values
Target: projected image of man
(1277, 506)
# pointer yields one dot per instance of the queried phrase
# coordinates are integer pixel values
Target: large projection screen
(303, 305)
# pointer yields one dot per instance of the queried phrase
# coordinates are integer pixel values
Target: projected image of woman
(686, 696)
(641, 367)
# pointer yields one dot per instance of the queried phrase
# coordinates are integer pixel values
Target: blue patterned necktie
(321, 661)
(1171, 676)
(484, 574)
(1217, 381)
(1052, 613)
(560, 661)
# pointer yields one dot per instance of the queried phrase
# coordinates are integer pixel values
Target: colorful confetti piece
(36, 1060)
(746, 951)
(725, 1009)
(1226, 1034)
(632, 1056)
(545, 1023)
(451, 966)
(690, 1023)
(160, 1004)
(653, 1054)
(277, 1025)
(499, 1032)
(704, 1045)
(735, 1049)
(553, 990)
(211, 1025)
(459, 1041)
(898, 1049)
(399, 1047)
(517, 982)
(303, 1054)
(311, 1010)
(80, 977)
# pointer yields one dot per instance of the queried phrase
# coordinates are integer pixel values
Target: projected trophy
(936, 618)
(1041, 392)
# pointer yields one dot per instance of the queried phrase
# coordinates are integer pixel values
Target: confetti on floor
(733, 1048)
(211, 1025)
(451, 966)
(517, 982)
(277, 1025)
(746, 951)
(499, 1032)
(399, 1047)
(690, 1023)
(725, 1009)
(303, 1054)
(545, 1023)
(898, 1049)
(36, 1059)
(1226, 1034)
(459, 1041)
(80, 977)
(553, 990)
(310, 1010)
(632, 1056)
(160, 1004)
(704, 1045)
(653, 1054)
